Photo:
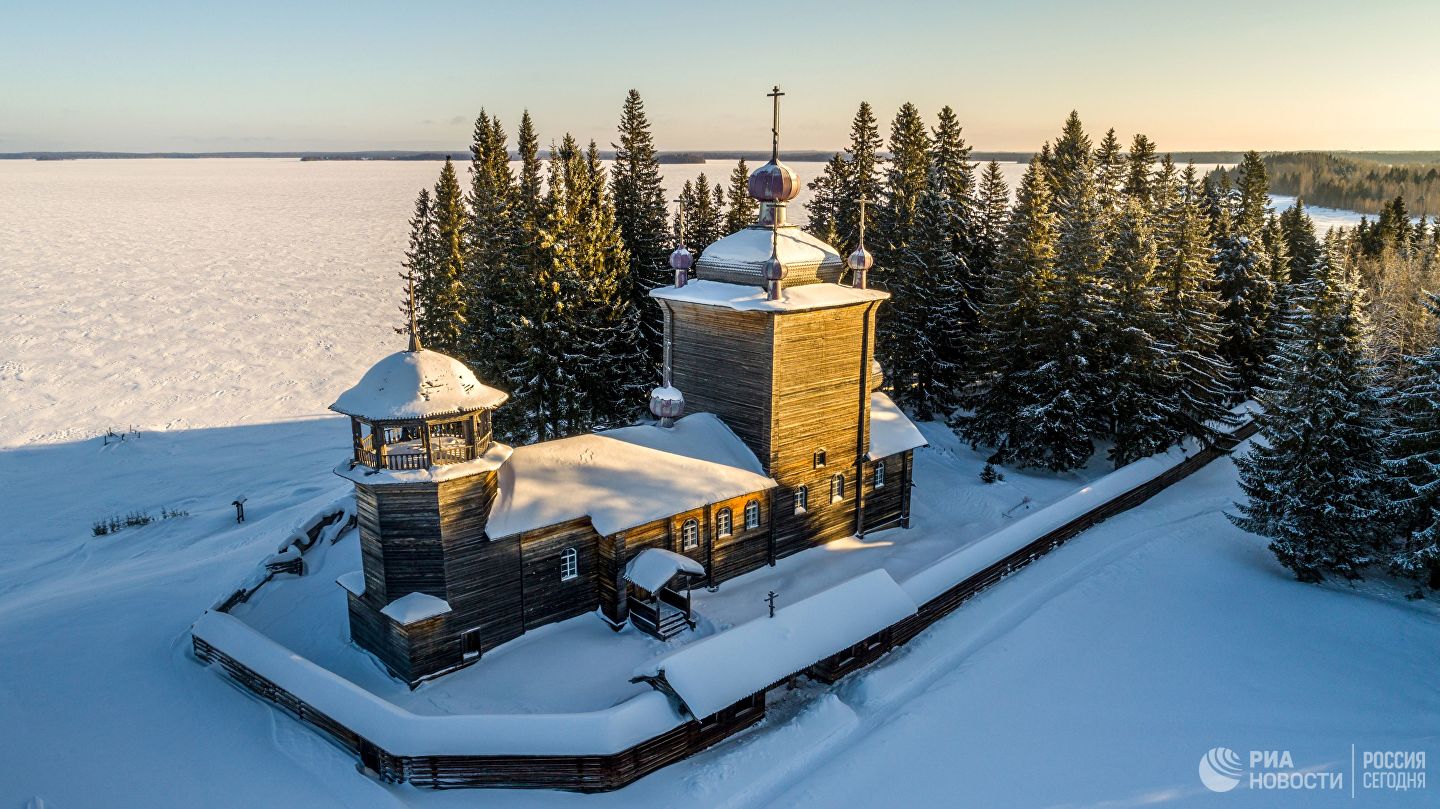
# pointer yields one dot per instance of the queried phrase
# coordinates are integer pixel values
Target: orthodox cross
(410, 308)
(862, 221)
(771, 600)
(775, 124)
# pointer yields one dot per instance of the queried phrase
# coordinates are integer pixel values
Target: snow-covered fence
(605, 750)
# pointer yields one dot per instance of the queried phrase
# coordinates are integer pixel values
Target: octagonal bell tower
(424, 464)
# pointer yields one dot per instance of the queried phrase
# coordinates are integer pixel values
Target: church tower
(434, 590)
(768, 339)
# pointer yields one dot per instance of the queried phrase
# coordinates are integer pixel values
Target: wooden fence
(600, 773)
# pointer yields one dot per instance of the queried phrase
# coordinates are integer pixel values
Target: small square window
(819, 458)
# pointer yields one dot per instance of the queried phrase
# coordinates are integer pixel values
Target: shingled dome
(740, 257)
(416, 385)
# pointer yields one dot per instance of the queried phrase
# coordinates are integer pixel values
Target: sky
(259, 75)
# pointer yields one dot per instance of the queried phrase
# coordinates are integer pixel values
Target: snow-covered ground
(220, 305)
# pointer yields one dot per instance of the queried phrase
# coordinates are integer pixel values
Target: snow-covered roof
(712, 674)
(890, 430)
(414, 608)
(624, 478)
(495, 455)
(403, 733)
(354, 581)
(741, 256)
(416, 385)
(653, 568)
(746, 298)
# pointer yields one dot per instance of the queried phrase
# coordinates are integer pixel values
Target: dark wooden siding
(721, 361)
(546, 597)
(883, 505)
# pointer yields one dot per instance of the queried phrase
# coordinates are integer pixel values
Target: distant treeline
(700, 156)
(1352, 182)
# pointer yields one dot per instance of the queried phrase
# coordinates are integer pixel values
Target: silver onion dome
(682, 259)
(774, 270)
(860, 260)
(773, 182)
(667, 404)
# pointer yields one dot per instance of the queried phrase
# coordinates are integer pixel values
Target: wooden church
(468, 543)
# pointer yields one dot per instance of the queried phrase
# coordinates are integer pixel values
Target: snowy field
(218, 306)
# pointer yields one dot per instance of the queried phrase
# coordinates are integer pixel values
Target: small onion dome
(667, 403)
(682, 258)
(774, 182)
(861, 260)
(774, 270)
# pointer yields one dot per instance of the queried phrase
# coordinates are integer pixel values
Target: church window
(819, 458)
(837, 488)
(880, 475)
(569, 564)
(723, 523)
(752, 514)
(802, 499)
(690, 535)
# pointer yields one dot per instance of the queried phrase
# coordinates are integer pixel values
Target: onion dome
(774, 182)
(681, 260)
(861, 260)
(773, 269)
(416, 385)
(667, 404)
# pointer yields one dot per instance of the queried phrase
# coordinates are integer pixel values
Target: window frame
(690, 534)
(837, 487)
(879, 476)
(749, 525)
(724, 522)
(802, 499)
(569, 564)
(821, 458)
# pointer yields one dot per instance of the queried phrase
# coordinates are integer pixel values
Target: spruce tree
(1190, 309)
(533, 298)
(1316, 484)
(863, 177)
(442, 310)
(485, 342)
(992, 213)
(1111, 171)
(1301, 244)
(741, 209)
(922, 339)
(1140, 171)
(955, 184)
(1415, 462)
(704, 214)
(419, 261)
(906, 177)
(1077, 310)
(827, 200)
(1253, 185)
(1137, 402)
(1021, 412)
(613, 371)
(1243, 285)
(642, 213)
